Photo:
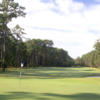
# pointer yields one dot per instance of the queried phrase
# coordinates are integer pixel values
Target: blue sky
(73, 25)
(88, 2)
(46, 1)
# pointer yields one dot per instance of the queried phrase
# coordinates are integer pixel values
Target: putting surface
(50, 84)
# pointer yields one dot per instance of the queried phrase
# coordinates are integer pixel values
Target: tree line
(42, 53)
(92, 58)
(34, 52)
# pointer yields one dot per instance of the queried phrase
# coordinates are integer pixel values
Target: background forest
(91, 59)
(35, 52)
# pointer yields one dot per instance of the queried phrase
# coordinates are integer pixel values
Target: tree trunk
(3, 52)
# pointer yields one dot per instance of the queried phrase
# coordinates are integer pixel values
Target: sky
(73, 25)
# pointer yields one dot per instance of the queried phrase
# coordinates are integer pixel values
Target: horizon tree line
(92, 58)
(34, 52)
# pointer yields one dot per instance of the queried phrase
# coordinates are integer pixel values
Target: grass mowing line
(59, 84)
(51, 73)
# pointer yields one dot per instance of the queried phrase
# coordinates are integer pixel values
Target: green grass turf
(50, 84)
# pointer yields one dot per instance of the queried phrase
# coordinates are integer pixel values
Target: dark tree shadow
(81, 96)
(22, 95)
(49, 96)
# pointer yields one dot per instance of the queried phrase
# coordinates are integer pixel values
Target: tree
(17, 33)
(8, 10)
(42, 53)
(97, 46)
(92, 59)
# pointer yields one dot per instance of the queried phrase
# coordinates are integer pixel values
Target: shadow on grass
(49, 96)
(23, 95)
(50, 73)
(81, 96)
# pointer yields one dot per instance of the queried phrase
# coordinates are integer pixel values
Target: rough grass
(50, 84)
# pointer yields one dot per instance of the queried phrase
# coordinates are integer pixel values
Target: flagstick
(20, 74)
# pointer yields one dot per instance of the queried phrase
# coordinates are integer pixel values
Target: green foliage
(78, 61)
(8, 10)
(92, 58)
(35, 52)
(42, 53)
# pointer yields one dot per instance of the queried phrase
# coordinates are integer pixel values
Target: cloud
(70, 24)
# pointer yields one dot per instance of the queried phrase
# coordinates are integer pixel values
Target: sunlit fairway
(50, 83)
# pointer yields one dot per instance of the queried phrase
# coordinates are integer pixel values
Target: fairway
(50, 83)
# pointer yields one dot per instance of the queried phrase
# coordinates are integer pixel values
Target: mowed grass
(50, 83)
